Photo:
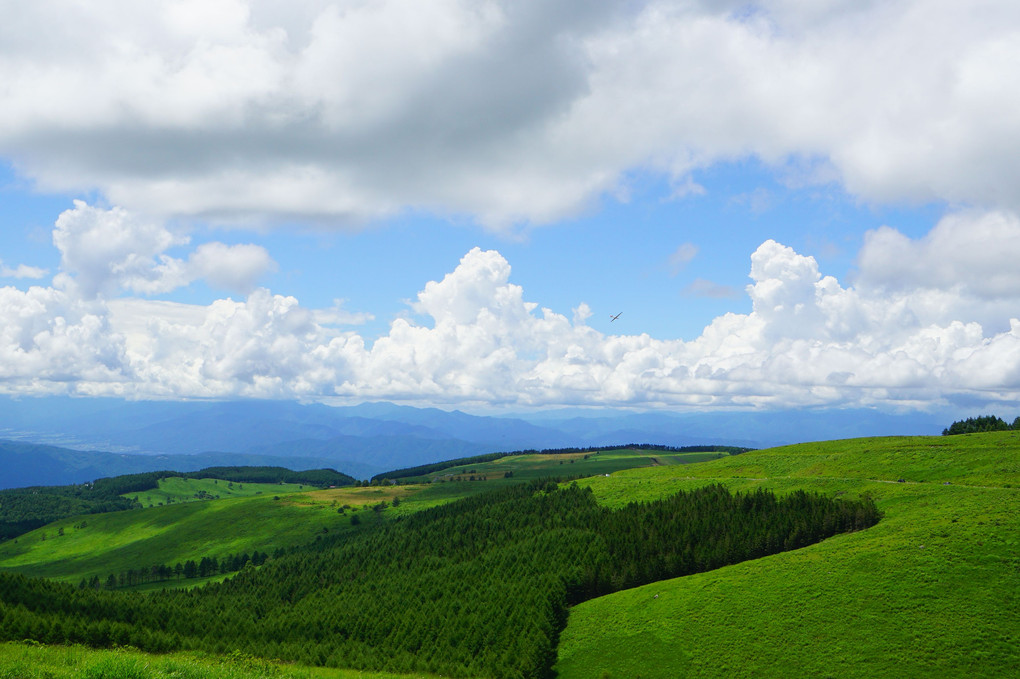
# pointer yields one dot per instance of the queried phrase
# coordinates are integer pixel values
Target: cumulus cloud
(104, 251)
(239, 109)
(50, 341)
(476, 338)
(964, 268)
(21, 271)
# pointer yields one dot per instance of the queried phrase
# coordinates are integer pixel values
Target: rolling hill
(932, 590)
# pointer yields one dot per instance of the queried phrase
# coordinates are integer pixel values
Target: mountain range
(77, 440)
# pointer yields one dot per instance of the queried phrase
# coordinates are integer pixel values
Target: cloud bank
(343, 110)
(904, 335)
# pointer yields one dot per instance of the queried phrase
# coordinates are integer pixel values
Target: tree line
(204, 567)
(426, 469)
(983, 423)
(477, 587)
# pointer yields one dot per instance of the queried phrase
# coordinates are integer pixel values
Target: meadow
(177, 489)
(932, 590)
(81, 547)
(566, 464)
(34, 661)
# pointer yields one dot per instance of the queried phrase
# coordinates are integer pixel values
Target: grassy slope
(23, 661)
(571, 464)
(177, 489)
(117, 541)
(933, 590)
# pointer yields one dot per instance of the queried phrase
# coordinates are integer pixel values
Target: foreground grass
(29, 661)
(932, 590)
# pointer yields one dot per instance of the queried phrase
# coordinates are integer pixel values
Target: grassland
(527, 467)
(31, 661)
(101, 544)
(176, 489)
(933, 590)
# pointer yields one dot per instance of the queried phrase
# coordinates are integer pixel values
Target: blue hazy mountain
(362, 440)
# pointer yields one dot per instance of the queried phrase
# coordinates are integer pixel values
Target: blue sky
(790, 204)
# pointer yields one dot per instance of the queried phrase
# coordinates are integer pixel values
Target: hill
(24, 509)
(932, 590)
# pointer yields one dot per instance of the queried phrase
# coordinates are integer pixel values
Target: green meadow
(932, 590)
(100, 544)
(177, 489)
(32, 661)
(581, 463)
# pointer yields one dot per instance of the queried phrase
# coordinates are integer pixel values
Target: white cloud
(21, 271)
(107, 251)
(230, 267)
(238, 109)
(50, 341)
(808, 341)
(965, 268)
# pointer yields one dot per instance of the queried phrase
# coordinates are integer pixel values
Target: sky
(790, 204)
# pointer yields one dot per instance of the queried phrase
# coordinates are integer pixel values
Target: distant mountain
(362, 440)
(29, 464)
(737, 428)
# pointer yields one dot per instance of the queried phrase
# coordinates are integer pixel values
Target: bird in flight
(613, 318)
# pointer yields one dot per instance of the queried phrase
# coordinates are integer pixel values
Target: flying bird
(613, 318)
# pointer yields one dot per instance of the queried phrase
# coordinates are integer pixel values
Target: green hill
(267, 519)
(932, 590)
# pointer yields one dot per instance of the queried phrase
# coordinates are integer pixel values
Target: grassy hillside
(566, 464)
(177, 489)
(31, 661)
(102, 544)
(932, 590)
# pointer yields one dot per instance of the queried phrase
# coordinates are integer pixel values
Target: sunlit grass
(31, 661)
(932, 590)
(177, 489)
(97, 545)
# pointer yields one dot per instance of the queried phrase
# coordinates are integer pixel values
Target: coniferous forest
(476, 587)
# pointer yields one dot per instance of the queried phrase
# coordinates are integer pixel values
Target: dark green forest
(25, 509)
(425, 469)
(973, 425)
(478, 587)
